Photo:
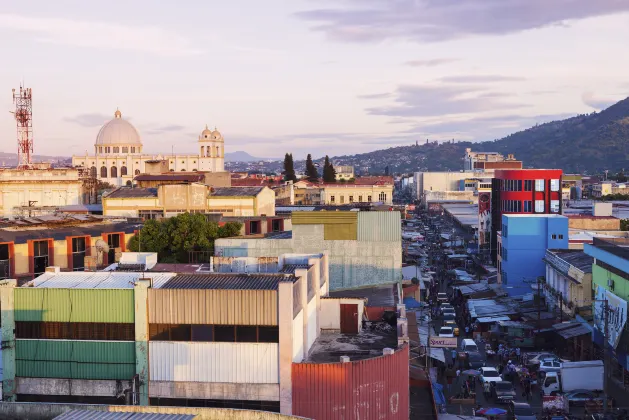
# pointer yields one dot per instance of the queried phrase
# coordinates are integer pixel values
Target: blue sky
(325, 77)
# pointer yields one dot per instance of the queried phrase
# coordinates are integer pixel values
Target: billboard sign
(442, 342)
(484, 216)
(617, 316)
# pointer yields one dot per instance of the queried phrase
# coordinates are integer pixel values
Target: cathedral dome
(118, 132)
(206, 134)
(216, 135)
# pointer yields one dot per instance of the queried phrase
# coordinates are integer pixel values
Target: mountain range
(586, 143)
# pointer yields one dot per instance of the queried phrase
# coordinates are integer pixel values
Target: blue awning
(437, 392)
(411, 303)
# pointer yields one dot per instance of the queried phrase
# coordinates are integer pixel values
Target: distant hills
(241, 156)
(588, 143)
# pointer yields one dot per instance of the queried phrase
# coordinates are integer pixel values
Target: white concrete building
(568, 280)
(118, 154)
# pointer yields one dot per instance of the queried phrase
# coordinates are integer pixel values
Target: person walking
(518, 355)
(453, 354)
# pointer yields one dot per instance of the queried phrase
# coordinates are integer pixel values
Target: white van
(467, 344)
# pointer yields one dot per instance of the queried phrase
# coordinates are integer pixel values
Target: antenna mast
(24, 117)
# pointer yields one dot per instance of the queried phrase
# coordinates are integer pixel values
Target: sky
(307, 76)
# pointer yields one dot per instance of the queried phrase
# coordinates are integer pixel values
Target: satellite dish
(101, 249)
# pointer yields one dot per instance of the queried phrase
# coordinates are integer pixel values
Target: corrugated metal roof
(187, 177)
(94, 229)
(379, 226)
(112, 415)
(290, 268)
(97, 280)
(229, 281)
(237, 191)
(132, 192)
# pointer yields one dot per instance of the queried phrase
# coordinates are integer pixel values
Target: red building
(523, 191)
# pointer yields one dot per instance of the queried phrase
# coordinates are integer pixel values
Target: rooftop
(576, 258)
(236, 191)
(131, 192)
(96, 280)
(290, 268)
(247, 281)
(113, 415)
(28, 229)
(374, 337)
(384, 295)
(172, 176)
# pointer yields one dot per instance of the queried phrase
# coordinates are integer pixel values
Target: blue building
(522, 246)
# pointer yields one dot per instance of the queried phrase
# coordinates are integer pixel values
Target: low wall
(46, 411)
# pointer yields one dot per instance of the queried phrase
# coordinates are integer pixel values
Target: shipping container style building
(249, 333)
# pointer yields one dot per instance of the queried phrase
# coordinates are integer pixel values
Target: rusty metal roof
(230, 281)
(237, 191)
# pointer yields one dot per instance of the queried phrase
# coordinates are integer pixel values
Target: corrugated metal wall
(219, 307)
(74, 305)
(337, 226)
(254, 363)
(379, 226)
(369, 389)
(75, 359)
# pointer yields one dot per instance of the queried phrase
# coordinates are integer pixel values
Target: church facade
(118, 154)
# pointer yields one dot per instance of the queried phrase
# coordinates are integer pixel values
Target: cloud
(375, 96)
(165, 129)
(89, 120)
(142, 38)
(439, 20)
(441, 100)
(596, 102)
(481, 78)
(430, 63)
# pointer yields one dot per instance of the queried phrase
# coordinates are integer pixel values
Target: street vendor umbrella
(470, 372)
(491, 411)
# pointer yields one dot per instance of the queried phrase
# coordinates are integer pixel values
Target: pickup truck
(586, 375)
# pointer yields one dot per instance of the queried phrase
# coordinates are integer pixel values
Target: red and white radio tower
(24, 116)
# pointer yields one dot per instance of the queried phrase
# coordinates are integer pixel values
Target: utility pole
(539, 304)
(605, 361)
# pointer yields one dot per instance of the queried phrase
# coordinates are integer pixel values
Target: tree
(289, 168)
(311, 171)
(174, 238)
(621, 177)
(329, 174)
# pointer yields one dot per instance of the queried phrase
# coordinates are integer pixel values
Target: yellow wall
(263, 203)
(128, 207)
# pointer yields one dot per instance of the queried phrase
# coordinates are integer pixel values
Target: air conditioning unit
(610, 284)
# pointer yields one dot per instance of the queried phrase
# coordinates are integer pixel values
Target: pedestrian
(487, 389)
(453, 354)
(458, 374)
(517, 354)
(467, 330)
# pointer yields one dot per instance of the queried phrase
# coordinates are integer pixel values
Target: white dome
(118, 131)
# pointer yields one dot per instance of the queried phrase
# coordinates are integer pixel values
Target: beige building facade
(339, 194)
(38, 189)
(169, 200)
(118, 154)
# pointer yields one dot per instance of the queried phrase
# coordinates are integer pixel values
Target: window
(246, 334)
(100, 150)
(351, 198)
(554, 206)
(519, 185)
(560, 236)
(225, 333)
(519, 206)
(116, 149)
(209, 333)
(113, 240)
(125, 150)
(342, 200)
(78, 254)
(132, 149)
(539, 206)
(114, 172)
(276, 225)
(369, 199)
(528, 206)
(554, 185)
(539, 185)
(5, 261)
(40, 257)
(137, 172)
(103, 172)
(332, 199)
(254, 227)
(183, 162)
(553, 236)
(202, 333)
(382, 196)
(123, 171)
(75, 330)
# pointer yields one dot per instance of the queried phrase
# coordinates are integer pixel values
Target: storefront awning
(488, 319)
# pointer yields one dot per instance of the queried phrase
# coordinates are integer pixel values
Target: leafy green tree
(174, 238)
(329, 173)
(289, 168)
(624, 224)
(311, 170)
(621, 177)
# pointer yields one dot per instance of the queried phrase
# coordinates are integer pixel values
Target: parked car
(474, 360)
(448, 317)
(446, 307)
(488, 374)
(578, 397)
(446, 332)
(536, 358)
(520, 411)
(550, 365)
(502, 391)
(442, 297)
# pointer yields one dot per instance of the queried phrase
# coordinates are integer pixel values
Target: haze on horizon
(307, 76)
